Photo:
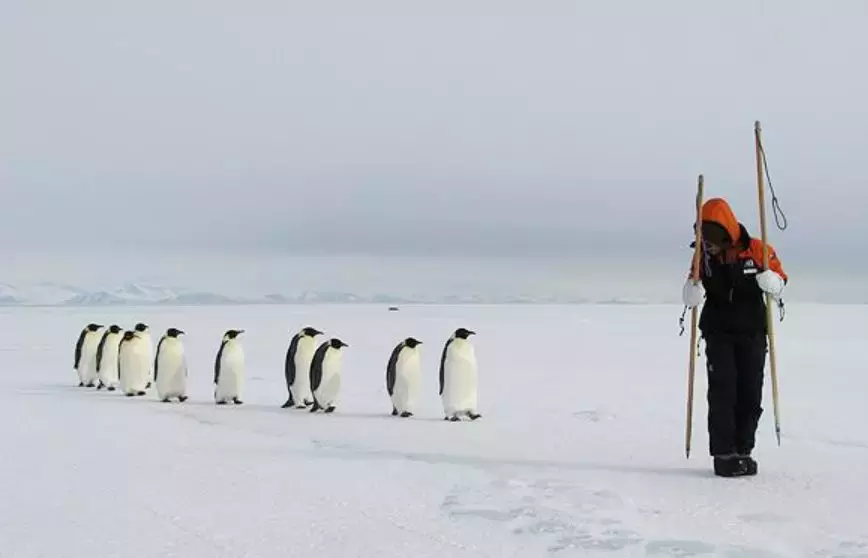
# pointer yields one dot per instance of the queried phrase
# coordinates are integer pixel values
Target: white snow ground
(579, 451)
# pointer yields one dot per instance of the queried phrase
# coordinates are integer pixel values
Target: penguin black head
(311, 331)
(114, 328)
(412, 342)
(141, 327)
(93, 326)
(128, 335)
(174, 332)
(462, 333)
(337, 343)
(232, 333)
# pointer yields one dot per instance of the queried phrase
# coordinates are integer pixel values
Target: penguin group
(116, 359)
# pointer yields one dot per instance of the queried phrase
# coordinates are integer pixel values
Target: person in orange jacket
(733, 284)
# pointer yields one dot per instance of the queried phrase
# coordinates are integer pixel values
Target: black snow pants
(735, 366)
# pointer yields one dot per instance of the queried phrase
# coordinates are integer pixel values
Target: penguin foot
(406, 414)
(182, 398)
(165, 400)
(221, 402)
(453, 418)
(300, 407)
(111, 388)
(89, 385)
(237, 401)
(307, 403)
(80, 384)
(130, 394)
(140, 393)
(289, 403)
(100, 386)
(330, 409)
(474, 416)
(394, 412)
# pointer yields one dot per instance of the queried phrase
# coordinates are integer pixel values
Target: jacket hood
(717, 211)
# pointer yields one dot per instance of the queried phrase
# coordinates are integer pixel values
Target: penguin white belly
(231, 380)
(330, 385)
(460, 380)
(134, 367)
(301, 384)
(88, 367)
(172, 370)
(408, 377)
(108, 366)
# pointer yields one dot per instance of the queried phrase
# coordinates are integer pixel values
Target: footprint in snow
(846, 549)
(568, 517)
(571, 519)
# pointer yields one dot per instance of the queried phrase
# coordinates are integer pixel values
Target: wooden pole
(694, 314)
(769, 301)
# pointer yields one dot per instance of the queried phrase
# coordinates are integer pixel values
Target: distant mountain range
(138, 294)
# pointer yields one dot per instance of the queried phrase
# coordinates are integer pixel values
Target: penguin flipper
(217, 362)
(391, 368)
(316, 368)
(289, 364)
(100, 348)
(78, 347)
(157, 358)
(443, 364)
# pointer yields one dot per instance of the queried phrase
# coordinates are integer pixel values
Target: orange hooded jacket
(717, 210)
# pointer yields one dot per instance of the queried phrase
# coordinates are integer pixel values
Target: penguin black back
(114, 328)
(172, 332)
(229, 335)
(289, 361)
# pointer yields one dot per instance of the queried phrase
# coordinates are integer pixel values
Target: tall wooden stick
(688, 435)
(769, 321)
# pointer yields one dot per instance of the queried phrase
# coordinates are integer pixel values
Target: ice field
(579, 451)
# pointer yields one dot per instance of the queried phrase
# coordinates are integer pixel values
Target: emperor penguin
(133, 363)
(82, 346)
(403, 376)
(107, 358)
(325, 375)
(170, 367)
(459, 376)
(144, 333)
(297, 368)
(229, 369)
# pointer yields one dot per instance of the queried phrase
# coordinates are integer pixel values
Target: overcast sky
(448, 126)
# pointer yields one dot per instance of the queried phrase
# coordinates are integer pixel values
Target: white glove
(771, 283)
(692, 293)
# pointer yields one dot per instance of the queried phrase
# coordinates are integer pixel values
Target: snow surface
(596, 469)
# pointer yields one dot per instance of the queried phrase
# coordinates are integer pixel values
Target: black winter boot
(749, 463)
(730, 466)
